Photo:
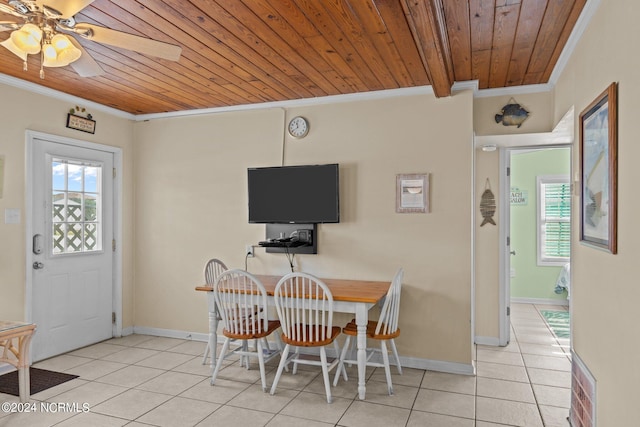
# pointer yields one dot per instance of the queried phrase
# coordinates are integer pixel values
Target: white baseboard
(170, 333)
(540, 301)
(409, 362)
(493, 341)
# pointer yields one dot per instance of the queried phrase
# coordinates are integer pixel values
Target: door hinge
(508, 240)
(113, 245)
(508, 171)
(508, 311)
(113, 317)
(114, 173)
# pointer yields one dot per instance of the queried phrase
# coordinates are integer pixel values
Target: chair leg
(244, 360)
(283, 361)
(387, 370)
(225, 347)
(341, 368)
(325, 373)
(279, 345)
(353, 350)
(295, 363)
(206, 353)
(261, 363)
(395, 354)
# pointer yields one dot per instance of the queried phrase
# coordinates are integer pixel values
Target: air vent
(583, 395)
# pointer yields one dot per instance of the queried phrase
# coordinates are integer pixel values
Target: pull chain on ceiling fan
(49, 29)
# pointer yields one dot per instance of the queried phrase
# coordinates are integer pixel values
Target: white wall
(21, 110)
(191, 205)
(604, 289)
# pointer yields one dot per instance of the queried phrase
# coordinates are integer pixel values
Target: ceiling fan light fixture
(27, 39)
(11, 47)
(60, 52)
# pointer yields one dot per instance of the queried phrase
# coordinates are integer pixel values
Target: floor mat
(40, 379)
(558, 321)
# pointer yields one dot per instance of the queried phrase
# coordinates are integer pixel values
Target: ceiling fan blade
(128, 41)
(9, 26)
(5, 8)
(67, 8)
(85, 66)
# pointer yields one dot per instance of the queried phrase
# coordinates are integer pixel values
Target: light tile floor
(142, 380)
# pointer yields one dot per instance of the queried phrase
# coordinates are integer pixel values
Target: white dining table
(349, 296)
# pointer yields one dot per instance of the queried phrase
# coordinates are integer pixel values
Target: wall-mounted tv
(306, 194)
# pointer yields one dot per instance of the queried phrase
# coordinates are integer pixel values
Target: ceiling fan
(44, 28)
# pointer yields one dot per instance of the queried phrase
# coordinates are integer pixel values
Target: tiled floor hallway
(143, 380)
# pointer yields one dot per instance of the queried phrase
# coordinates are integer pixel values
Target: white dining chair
(384, 329)
(305, 309)
(241, 300)
(212, 270)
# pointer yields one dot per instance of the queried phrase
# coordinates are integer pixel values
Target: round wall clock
(298, 127)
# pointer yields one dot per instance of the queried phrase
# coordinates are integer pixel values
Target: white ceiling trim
(61, 96)
(579, 28)
(294, 103)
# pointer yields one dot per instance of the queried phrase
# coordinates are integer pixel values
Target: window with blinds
(554, 220)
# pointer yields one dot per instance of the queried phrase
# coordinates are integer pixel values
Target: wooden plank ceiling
(237, 52)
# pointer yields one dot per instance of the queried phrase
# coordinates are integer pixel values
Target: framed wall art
(412, 193)
(599, 171)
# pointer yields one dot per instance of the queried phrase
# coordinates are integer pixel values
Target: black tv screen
(294, 194)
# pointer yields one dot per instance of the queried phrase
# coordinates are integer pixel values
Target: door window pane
(76, 216)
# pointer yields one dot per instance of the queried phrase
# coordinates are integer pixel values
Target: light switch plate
(12, 216)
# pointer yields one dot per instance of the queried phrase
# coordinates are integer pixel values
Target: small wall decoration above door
(487, 204)
(512, 114)
(79, 119)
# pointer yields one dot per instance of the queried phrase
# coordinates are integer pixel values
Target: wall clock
(298, 127)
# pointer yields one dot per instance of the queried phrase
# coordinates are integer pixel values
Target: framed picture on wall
(412, 193)
(599, 171)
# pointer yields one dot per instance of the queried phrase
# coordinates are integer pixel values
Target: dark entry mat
(40, 379)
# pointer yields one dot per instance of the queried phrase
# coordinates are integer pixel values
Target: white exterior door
(71, 245)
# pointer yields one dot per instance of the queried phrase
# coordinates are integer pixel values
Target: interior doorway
(536, 256)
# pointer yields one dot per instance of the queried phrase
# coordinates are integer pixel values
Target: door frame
(505, 230)
(504, 304)
(30, 136)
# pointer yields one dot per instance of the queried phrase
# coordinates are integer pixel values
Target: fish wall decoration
(487, 205)
(512, 114)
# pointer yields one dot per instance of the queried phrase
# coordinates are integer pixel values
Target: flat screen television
(306, 194)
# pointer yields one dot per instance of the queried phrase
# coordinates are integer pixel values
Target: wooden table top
(10, 325)
(367, 291)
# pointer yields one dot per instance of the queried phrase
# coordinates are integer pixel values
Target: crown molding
(295, 103)
(587, 14)
(61, 96)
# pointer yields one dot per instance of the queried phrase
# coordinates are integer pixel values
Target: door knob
(38, 265)
(512, 252)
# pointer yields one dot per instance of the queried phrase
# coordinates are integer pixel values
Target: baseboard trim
(493, 341)
(170, 333)
(540, 301)
(409, 362)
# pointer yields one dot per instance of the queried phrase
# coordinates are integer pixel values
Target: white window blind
(554, 220)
